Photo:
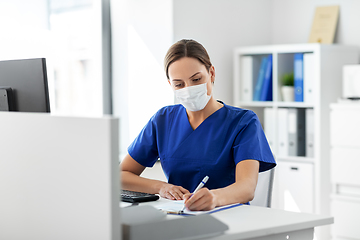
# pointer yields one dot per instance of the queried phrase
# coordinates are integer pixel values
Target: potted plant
(287, 87)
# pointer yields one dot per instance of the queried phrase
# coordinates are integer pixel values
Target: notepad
(175, 207)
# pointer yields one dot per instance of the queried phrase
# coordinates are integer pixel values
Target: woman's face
(187, 72)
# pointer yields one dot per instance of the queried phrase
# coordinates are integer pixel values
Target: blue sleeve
(144, 148)
(251, 143)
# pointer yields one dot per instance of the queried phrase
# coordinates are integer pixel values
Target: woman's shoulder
(167, 111)
(236, 112)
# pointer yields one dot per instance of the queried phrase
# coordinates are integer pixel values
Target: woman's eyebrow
(194, 75)
(189, 77)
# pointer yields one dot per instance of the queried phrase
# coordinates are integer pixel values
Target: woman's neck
(196, 118)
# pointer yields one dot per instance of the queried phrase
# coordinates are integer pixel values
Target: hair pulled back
(186, 48)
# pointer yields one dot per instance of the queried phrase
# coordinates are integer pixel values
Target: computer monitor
(24, 85)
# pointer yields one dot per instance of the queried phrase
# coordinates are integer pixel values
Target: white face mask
(193, 98)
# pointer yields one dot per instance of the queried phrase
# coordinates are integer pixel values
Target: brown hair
(186, 48)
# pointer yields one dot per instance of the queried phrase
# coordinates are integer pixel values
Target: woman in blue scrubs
(197, 138)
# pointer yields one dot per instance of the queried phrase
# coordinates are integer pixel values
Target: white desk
(259, 223)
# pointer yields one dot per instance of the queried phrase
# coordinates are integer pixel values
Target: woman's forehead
(185, 68)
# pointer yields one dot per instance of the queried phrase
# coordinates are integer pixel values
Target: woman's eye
(197, 79)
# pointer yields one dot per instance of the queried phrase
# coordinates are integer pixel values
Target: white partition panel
(59, 177)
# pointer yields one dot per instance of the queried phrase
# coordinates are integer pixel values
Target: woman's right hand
(172, 192)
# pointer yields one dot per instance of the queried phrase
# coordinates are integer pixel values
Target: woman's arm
(130, 171)
(242, 191)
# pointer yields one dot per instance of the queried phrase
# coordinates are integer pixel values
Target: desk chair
(263, 190)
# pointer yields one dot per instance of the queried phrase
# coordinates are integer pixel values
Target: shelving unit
(302, 183)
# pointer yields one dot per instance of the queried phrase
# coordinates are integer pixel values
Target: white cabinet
(308, 188)
(346, 212)
(345, 165)
(294, 189)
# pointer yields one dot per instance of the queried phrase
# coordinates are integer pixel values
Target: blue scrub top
(222, 140)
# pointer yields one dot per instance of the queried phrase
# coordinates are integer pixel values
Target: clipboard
(175, 207)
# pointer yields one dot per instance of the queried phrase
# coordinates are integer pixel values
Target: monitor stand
(5, 99)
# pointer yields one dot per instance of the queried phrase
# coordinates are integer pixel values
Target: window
(78, 57)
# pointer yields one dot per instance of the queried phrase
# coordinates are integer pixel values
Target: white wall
(141, 35)
(221, 26)
(292, 20)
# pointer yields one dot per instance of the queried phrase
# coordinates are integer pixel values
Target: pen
(201, 184)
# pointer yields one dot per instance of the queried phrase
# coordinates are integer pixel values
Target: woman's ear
(212, 74)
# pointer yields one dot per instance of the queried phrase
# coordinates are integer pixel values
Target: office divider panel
(59, 177)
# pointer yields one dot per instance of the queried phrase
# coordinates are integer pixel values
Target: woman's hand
(172, 192)
(202, 200)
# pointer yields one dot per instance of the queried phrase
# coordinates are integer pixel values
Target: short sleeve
(144, 148)
(251, 143)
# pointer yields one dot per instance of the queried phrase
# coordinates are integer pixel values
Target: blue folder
(260, 79)
(266, 89)
(299, 77)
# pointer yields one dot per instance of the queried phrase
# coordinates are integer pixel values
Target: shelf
(295, 159)
(275, 104)
(285, 48)
(255, 104)
(284, 123)
(345, 198)
(295, 104)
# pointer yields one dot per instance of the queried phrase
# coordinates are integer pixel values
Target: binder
(282, 128)
(247, 68)
(296, 131)
(292, 118)
(298, 77)
(269, 124)
(260, 80)
(266, 90)
(301, 130)
(309, 71)
(309, 132)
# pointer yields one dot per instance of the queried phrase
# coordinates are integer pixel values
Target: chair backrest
(263, 190)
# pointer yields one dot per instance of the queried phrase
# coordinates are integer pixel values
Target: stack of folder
(256, 79)
(294, 131)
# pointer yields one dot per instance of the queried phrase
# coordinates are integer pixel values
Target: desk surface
(247, 222)
(251, 221)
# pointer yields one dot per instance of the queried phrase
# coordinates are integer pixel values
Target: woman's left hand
(202, 200)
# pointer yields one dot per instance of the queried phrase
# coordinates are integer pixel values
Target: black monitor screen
(24, 85)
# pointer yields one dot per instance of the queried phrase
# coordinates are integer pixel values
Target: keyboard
(136, 197)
